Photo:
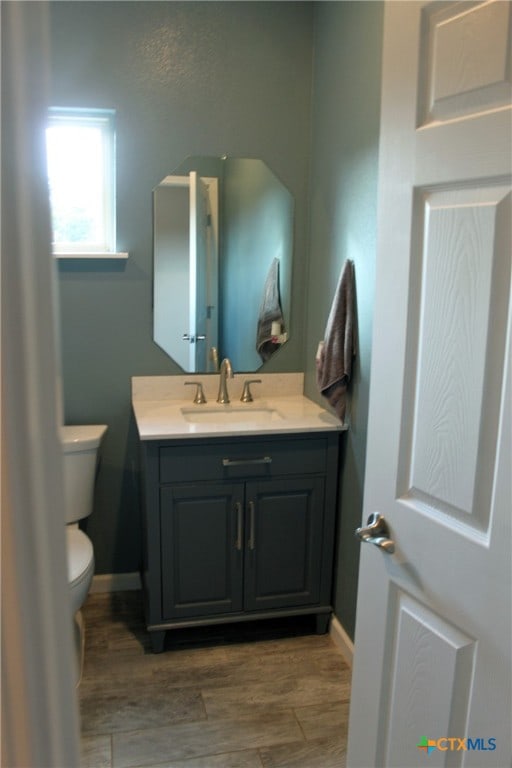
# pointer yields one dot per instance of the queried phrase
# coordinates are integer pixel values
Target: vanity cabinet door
(283, 540)
(201, 549)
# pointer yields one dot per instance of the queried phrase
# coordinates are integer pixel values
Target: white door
(197, 272)
(432, 668)
(212, 275)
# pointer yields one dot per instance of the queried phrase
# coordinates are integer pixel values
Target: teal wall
(187, 78)
(345, 109)
(295, 84)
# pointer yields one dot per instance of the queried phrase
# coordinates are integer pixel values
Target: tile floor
(257, 695)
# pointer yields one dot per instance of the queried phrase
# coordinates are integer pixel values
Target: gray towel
(270, 311)
(334, 357)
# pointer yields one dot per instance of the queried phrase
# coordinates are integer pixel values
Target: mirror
(223, 244)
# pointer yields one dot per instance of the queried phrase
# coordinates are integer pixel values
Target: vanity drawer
(240, 460)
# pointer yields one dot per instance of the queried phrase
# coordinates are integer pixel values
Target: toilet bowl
(80, 566)
(80, 450)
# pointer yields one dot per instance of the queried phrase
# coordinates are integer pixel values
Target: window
(80, 148)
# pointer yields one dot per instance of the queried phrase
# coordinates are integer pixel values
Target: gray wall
(220, 78)
(186, 78)
(346, 105)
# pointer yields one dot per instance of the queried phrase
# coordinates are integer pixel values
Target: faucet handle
(247, 394)
(199, 398)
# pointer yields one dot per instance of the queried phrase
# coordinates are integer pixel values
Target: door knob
(193, 339)
(376, 532)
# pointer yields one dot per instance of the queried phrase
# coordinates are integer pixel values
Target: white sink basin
(223, 414)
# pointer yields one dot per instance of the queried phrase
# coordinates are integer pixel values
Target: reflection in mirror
(223, 243)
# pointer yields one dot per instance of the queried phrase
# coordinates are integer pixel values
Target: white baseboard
(342, 640)
(115, 582)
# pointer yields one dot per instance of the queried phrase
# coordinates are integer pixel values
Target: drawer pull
(251, 525)
(238, 508)
(245, 462)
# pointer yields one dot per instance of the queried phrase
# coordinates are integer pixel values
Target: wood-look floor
(244, 696)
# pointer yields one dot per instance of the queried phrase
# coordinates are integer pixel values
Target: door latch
(376, 532)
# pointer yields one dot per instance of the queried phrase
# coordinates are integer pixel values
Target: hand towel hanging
(270, 312)
(335, 354)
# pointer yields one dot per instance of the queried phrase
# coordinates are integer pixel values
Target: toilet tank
(80, 446)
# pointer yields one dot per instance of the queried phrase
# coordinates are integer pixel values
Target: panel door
(432, 679)
(201, 549)
(198, 275)
(171, 268)
(283, 535)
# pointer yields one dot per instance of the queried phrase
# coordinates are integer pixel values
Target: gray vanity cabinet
(201, 559)
(238, 529)
(283, 543)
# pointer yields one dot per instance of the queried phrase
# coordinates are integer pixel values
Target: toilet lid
(80, 554)
(81, 437)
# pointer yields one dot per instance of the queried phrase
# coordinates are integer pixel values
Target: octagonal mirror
(223, 247)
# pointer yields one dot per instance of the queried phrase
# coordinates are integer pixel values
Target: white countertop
(162, 412)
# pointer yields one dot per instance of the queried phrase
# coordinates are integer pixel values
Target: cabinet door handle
(251, 525)
(238, 508)
(239, 462)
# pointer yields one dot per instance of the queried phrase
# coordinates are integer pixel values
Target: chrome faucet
(225, 371)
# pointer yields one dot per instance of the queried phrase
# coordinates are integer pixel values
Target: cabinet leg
(157, 640)
(322, 623)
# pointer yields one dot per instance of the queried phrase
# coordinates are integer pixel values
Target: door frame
(40, 721)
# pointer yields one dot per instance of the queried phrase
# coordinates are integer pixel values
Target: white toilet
(80, 447)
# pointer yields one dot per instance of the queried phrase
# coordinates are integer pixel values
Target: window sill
(91, 255)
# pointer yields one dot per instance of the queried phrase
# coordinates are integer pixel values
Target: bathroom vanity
(239, 506)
